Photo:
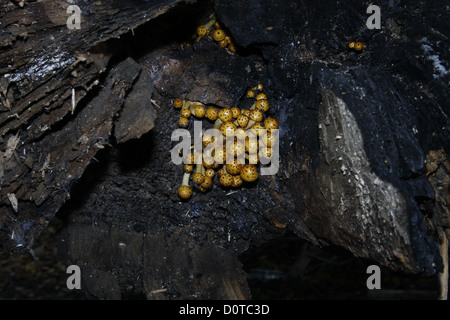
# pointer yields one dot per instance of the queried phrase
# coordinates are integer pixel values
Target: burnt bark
(364, 137)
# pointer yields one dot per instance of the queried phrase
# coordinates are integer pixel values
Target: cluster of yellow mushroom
(357, 46)
(242, 130)
(216, 32)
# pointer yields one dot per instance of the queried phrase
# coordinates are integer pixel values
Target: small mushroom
(183, 122)
(226, 180)
(249, 173)
(212, 113)
(218, 35)
(185, 191)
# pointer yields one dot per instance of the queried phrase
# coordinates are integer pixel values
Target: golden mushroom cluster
(357, 46)
(234, 154)
(213, 30)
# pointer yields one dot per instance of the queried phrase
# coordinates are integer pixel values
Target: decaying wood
(88, 116)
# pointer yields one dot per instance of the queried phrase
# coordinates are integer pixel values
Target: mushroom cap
(359, 46)
(218, 35)
(231, 47)
(234, 168)
(245, 112)
(258, 128)
(184, 192)
(198, 178)
(178, 103)
(250, 93)
(237, 181)
(208, 162)
(249, 173)
(240, 134)
(210, 173)
(223, 43)
(207, 139)
(183, 122)
(262, 105)
(271, 123)
(266, 152)
(188, 168)
(201, 31)
(260, 86)
(190, 158)
(228, 128)
(351, 44)
(185, 113)
(199, 111)
(212, 113)
(235, 111)
(251, 145)
(226, 180)
(260, 96)
(225, 114)
(235, 148)
(242, 120)
(207, 182)
(220, 155)
(268, 139)
(256, 115)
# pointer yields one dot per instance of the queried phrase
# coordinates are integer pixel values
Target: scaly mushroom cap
(185, 113)
(256, 115)
(262, 105)
(251, 93)
(237, 181)
(240, 134)
(235, 111)
(199, 111)
(271, 123)
(228, 128)
(245, 112)
(225, 114)
(206, 183)
(178, 103)
(268, 139)
(220, 155)
(188, 168)
(223, 43)
(210, 173)
(266, 152)
(198, 178)
(242, 120)
(257, 128)
(359, 46)
(226, 180)
(208, 162)
(183, 122)
(351, 45)
(235, 148)
(218, 35)
(212, 113)
(251, 145)
(190, 158)
(184, 192)
(201, 31)
(234, 167)
(261, 96)
(249, 173)
(207, 139)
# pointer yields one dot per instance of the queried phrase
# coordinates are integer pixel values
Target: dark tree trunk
(364, 137)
